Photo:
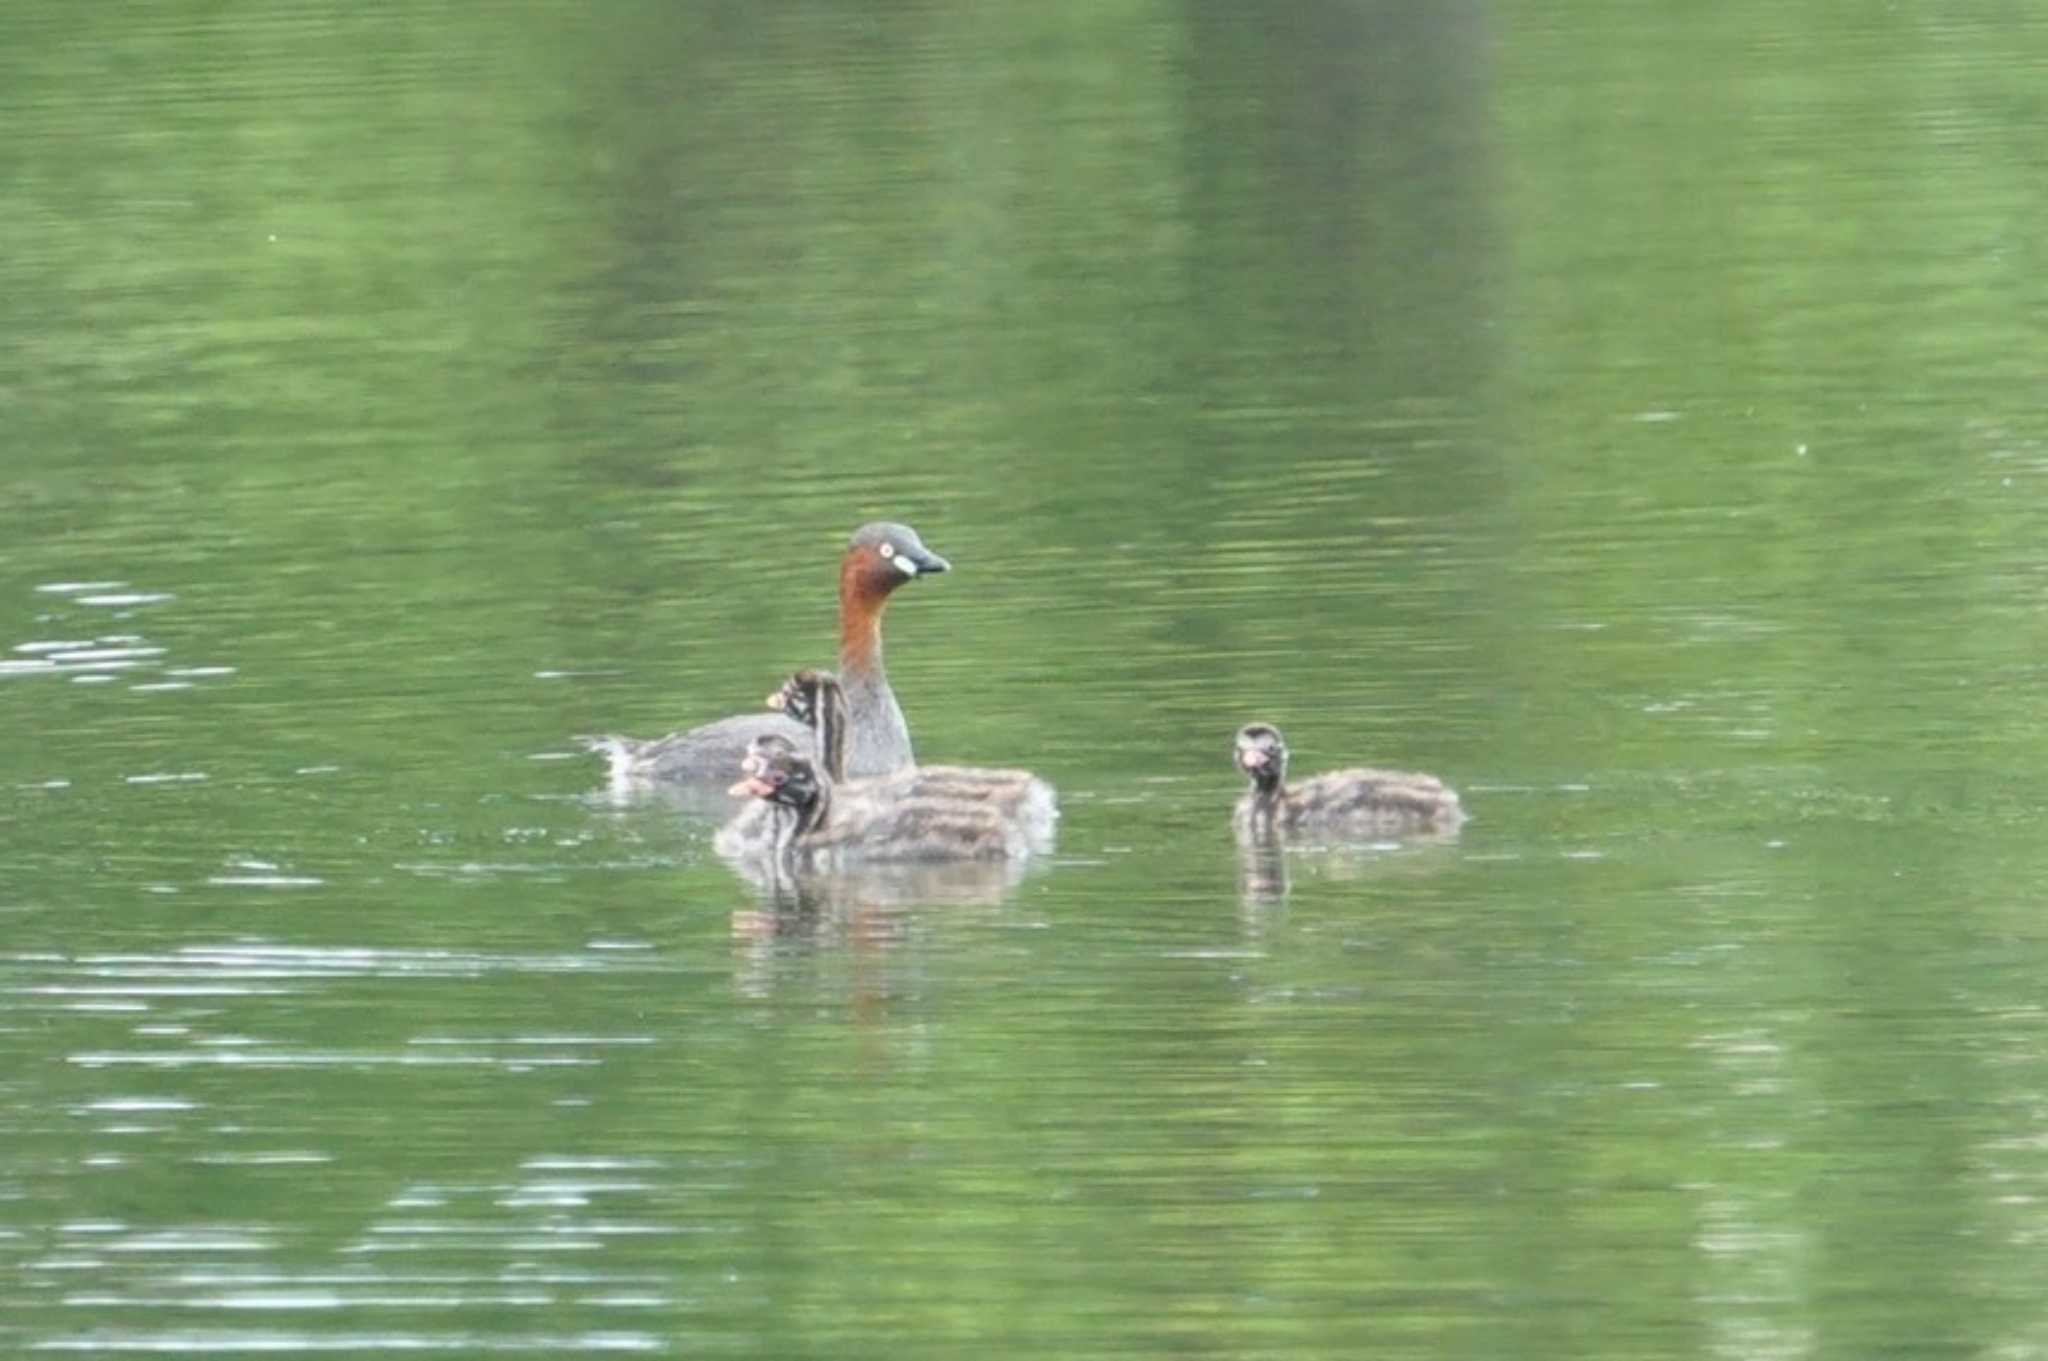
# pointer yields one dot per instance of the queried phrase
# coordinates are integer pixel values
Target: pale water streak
(555, 1205)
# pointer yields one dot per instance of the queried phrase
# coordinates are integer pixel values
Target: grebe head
(1261, 753)
(818, 701)
(882, 556)
(764, 768)
(776, 771)
(799, 696)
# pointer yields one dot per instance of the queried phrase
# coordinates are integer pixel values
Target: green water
(1632, 412)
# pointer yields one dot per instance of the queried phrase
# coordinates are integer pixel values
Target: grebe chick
(839, 825)
(879, 558)
(761, 826)
(1336, 805)
(817, 700)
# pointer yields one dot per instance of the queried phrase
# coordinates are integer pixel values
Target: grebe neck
(1268, 796)
(860, 621)
(813, 814)
(829, 719)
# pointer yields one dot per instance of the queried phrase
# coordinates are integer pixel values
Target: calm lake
(1634, 413)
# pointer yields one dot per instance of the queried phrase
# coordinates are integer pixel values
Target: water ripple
(96, 659)
(258, 961)
(217, 1343)
(289, 1058)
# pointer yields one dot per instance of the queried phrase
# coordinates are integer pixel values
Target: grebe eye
(888, 550)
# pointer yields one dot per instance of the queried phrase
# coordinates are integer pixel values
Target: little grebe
(879, 558)
(761, 827)
(817, 700)
(836, 826)
(1337, 805)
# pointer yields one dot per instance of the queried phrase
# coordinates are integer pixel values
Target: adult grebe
(879, 558)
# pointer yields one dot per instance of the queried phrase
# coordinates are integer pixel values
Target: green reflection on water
(1632, 414)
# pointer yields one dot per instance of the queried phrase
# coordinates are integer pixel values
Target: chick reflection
(802, 891)
(1262, 879)
(1268, 870)
(867, 909)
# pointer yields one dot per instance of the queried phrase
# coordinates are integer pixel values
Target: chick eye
(888, 550)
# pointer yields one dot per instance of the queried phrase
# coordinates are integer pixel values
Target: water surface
(1631, 414)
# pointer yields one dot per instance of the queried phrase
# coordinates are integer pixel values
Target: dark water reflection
(1635, 421)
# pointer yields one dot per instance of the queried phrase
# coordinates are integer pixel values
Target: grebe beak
(912, 561)
(1251, 758)
(753, 787)
(775, 701)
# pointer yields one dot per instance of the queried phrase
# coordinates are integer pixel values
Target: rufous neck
(860, 623)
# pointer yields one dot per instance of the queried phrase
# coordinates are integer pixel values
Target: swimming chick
(817, 700)
(834, 826)
(761, 827)
(1335, 806)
